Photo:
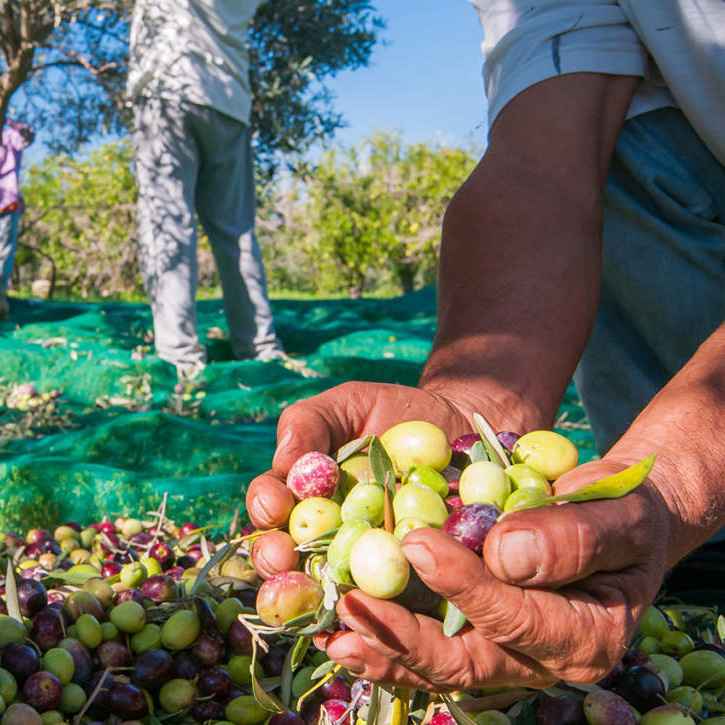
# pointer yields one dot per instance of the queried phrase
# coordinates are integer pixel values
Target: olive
(366, 502)
(177, 695)
(21, 714)
(313, 517)
(314, 474)
(81, 660)
(214, 682)
(209, 648)
(602, 707)
(470, 524)
(43, 690)
(703, 668)
(676, 643)
(668, 668)
(131, 527)
(239, 638)
(688, 697)
(101, 590)
(523, 476)
(667, 715)
(208, 711)
(152, 566)
(89, 631)
(226, 613)
(484, 482)
(416, 443)
(524, 498)
(287, 596)
(21, 661)
(653, 623)
(127, 701)
(274, 552)
(405, 526)
(52, 717)
(8, 686)
(338, 553)
(286, 718)
(83, 602)
(427, 476)
(113, 654)
(336, 689)
(159, 588)
(180, 630)
(59, 662)
(273, 660)
(32, 597)
(148, 638)
(354, 470)
(129, 617)
(152, 668)
(559, 711)
(133, 574)
(419, 502)
(72, 699)
(11, 631)
(641, 688)
(547, 452)
(378, 565)
(649, 645)
(109, 631)
(244, 710)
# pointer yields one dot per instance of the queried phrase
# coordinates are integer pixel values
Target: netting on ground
(119, 436)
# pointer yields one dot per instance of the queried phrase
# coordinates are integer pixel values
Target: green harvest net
(118, 437)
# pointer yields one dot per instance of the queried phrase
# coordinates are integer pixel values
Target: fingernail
(284, 441)
(519, 555)
(420, 557)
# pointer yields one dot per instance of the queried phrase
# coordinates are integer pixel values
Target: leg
(8, 244)
(663, 288)
(225, 201)
(167, 165)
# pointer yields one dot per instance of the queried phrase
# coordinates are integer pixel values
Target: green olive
(428, 476)
(8, 686)
(245, 710)
(405, 526)
(11, 631)
(484, 482)
(21, 714)
(52, 717)
(703, 668)
(109, 631)
(239, 668)
(667, 715)
(338, 553)
(523, 498)
(668, 668)
(676, 643)
(101, 590)
(547, 452)
(355, 469)
(416, 443)
(177, 695)
(649, 645)
(152, 566)
(148, 638)
(653, 623)
(366, 502)
(129, 617)
(180, 630)
(133, 575)
(89, 631)
(227, 611)
(414, 501)
(60, 663)
(688, 697)
(523, 476)
(72, 699)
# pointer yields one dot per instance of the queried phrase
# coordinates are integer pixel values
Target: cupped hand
(556, 596)
(327, 421)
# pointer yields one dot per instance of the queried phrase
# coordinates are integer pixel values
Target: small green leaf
(721, 627)
(226, 552)
(75, 579)
(264, 699)
(325, 620)
(351, 448)
(495, 450)
(322, 670)
(454, 620)
(380, 463)
(457, 714)
(11, 594)
(610, 487)
(477, 452)
(300, 621)
(299, 650)
(285, 694)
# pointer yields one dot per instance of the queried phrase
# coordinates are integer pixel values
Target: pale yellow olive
(405, 526)
(414, 501)
(416, 443)
(523, 476)
(523, 498)
(484, 482)
(366, 502)
(547, 452)
(312, 517)
(338, 554)
(378, 565)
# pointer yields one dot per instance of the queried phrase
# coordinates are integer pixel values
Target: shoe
(4, 307)
(268, 354)
(190, 371)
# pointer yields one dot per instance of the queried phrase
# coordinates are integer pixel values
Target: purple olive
(470, 524)
(143, 539)
(114, 654)
(102, 701)
(175, 572)
(32, 597)
(20, 660)
(152, 669)
(47, 629)
(461, 448)
(418, 597)
(81, 659)
(206, 615)
(163, 554)
(273, 661)
(559, 711)
(128, 701)
(608, 681)
(641, 688)
(336, 710)
(215, 683)
(43, 691)
(286, 718)
(239, 639)
(130, 595)
(248, 597)
(186, 666)
(208, 711)
(507, 439)
(209, 649)
(110, 568)
(159, 588)
(336, 689)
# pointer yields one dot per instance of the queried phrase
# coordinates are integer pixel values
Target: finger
(554, 546)
(352, 652)
(418, 644)
(269, 501)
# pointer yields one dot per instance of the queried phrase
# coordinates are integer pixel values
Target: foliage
(65, 64)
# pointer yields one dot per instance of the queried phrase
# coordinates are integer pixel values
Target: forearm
(521, 252)
(685, 426)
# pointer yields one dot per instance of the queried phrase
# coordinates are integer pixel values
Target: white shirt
(677, 47)
(193, 50)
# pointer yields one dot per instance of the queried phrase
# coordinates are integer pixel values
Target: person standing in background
(189, 86)
(16, 137)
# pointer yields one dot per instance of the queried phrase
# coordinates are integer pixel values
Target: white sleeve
(529, 41)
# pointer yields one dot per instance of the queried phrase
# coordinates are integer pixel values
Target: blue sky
(424, 82)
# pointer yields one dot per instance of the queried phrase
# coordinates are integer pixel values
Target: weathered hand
(558, 597)
(327, 421)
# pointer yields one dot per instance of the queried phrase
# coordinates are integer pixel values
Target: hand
(327, 421)
(557, 599)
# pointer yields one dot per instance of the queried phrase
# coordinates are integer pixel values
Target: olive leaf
(226, 552)
(457, 714)
(351, 448)
(11, 594)
(335, 669)
(454, 620)
(325, 619)
(495, 450)
(322, 670)
(301, 620)
(477, 452)
(721, 627)
(609, 487)
(381, 465)
(285, 693)
(298, 651)
(374, 707)
(74, 578)
(264, 699)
